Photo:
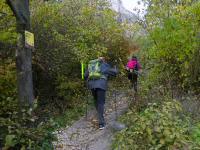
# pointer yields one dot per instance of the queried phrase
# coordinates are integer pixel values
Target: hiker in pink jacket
(134, 68)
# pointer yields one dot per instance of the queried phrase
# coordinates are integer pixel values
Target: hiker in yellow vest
(97, 81)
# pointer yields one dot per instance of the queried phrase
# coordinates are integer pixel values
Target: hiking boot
(101, 126)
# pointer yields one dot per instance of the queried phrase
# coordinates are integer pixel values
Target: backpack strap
(136, 66)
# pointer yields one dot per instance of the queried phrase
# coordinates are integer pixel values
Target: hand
(126, 68)
(140, 71)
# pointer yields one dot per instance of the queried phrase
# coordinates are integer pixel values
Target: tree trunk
(21, 11)
(24, 71)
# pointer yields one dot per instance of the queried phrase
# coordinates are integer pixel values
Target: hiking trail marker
(29, 39)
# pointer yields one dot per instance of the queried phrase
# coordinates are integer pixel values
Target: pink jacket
(132, 64)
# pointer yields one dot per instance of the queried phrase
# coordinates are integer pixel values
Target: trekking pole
(82, 76)
(115, 97)
(115, 104)
(86, 108)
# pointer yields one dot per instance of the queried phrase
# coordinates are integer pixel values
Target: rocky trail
(84, 133)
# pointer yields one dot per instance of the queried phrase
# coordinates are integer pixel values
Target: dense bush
(19, 128)
(21, 131)
(159, 126)
(170, 54)
(196, 133)
(171, 46)
(69, 33)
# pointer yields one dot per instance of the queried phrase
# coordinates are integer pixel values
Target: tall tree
(20, 9)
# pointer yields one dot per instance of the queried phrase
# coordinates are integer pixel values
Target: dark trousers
(99, 97)
(133, 79)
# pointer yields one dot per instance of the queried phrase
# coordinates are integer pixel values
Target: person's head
(134, 57)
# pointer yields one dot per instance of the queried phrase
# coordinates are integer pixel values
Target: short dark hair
(134, 57)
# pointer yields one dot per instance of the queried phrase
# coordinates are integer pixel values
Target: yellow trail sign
(29, 39)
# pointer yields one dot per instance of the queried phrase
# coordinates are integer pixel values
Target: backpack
(94, 68)
(132, 65)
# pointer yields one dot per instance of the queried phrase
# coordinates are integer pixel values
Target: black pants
(99, 97)
(133, 79)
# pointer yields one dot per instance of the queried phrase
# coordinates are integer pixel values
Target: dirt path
(84, 134)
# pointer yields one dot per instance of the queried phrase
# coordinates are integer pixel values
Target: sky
(131, 4)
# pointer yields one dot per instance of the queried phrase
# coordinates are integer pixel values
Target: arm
(126, 67)
(106, 69)
(139, 67)
(86, 75)
(113, 71)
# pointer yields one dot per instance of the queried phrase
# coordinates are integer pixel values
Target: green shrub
(22, 131)
(172, 43)
(157, 127)
(196, 133)
(8, 80)
(8, 102)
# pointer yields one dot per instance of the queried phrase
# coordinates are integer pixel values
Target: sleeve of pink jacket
(138, 65)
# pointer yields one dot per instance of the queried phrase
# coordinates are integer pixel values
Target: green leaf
(10, 140)
(23, 147)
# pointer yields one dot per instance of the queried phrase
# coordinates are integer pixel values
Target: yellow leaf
(162, 141)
